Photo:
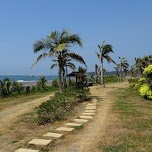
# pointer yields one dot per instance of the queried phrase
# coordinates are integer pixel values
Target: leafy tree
(105, 49)
(53, 45)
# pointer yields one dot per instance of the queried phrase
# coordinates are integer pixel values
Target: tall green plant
(105, 49)
(53, 45)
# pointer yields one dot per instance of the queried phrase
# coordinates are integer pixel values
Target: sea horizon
(27, 78)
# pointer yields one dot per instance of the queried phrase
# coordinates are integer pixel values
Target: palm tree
(53, 45)
(123, 66)
(82, 70)
(105, 49)
(65, 60)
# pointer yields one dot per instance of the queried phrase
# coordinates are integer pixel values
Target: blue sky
(126, 25)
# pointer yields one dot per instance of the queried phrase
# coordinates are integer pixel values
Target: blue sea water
(25, 78)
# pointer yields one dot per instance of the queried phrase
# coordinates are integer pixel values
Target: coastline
(33, 83)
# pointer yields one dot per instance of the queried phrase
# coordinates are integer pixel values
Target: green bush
(146, 91)
(144, 84)
(133, 80)
(55, 83)
(111, 78)
(57, 107)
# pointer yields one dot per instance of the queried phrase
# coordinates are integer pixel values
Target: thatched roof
(78, 74)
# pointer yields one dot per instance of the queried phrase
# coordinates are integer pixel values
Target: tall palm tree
(123, 66)
(105, 49)
(65, 60)
(53, 45)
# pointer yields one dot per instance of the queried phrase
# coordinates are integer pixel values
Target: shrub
(145, 91)
(111, 78)
(57, 107)
(144, 85)
(55, 83)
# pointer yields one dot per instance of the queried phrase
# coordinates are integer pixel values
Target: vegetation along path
(89, 138)
(10, 114)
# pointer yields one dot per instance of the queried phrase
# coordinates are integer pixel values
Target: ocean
(25, 78)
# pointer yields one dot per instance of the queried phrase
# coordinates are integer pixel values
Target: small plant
(79, 127)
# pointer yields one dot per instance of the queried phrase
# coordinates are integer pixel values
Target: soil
(85, 139)
(10, 114)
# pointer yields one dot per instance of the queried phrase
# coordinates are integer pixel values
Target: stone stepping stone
(51, 134)
(86, 117)
(73, 124)
(89, 114)
(91, 104)
(90, 107)
(80, 120)
(64, 129)
(26, 150)
(42, 142)
(90, 111)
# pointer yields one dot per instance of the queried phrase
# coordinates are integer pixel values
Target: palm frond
(109, 59)
(44, 55)
(53, 65)
(107, 49)
(77, 57)
(71, 66)
(98, 55)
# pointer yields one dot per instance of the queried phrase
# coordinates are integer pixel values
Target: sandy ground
(9, 115)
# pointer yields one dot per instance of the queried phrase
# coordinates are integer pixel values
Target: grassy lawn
(130, 124)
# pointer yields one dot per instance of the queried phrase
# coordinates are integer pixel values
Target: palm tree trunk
(120, 73)
(102, 77)
(60, 80)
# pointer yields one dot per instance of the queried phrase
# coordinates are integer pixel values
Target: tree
(105, 49)
(123, 66)
(65, 60)
(53, 45)
(82, 70)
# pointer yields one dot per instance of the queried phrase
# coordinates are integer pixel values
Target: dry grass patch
(26, 128)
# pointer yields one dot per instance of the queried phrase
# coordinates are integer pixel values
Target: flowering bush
(145, 91)
(148, 70)
(144, 85)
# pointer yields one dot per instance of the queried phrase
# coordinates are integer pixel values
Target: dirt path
(89, 138)
(9, 115)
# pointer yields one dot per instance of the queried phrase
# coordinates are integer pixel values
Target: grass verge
(130, 124)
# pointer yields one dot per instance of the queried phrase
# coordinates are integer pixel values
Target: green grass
(79, 127)
(134, 123)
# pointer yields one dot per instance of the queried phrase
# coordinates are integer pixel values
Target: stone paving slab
(89, 114)
(42, 142)
(90, 107)
(51, 134)
(64, 129)
(26, 150)
(86, 117)
(73, 124)
(91, 104)
(90, 111)
(80, 120)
